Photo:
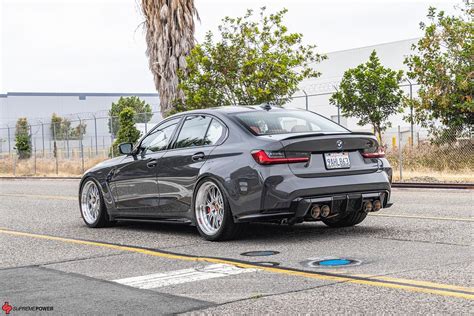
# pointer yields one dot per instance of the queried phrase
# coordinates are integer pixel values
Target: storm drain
(330, 262)
(261, 253)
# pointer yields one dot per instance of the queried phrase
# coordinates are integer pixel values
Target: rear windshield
(288, 121)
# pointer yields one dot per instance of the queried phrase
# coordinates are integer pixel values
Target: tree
(371, 93)
(127, 132)
(442, 63)
(23, 138)
(253, 62)
(139, 106)
(61, 128)
(169, 28)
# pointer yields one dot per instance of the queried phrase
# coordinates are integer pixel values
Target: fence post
(9, 141)
(338, 107)
(339, 114)
(34, 157)
(67, 144)
(42, 136)
(400, 155)
(306, 99)
(14, 163)
(55, 150)
(32, 150)
(411, 112)
(82, 148)
(95, 130)
(111, 135)
(146, 122)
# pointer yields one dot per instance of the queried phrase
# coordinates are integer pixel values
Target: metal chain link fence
(71, 146)
(65, 147)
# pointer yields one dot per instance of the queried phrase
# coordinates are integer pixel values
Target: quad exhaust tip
(368, 207)
(315, 211)
(377, 205)
(372, 207)
(325, 210)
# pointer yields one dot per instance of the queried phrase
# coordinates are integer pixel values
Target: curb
(413, 185)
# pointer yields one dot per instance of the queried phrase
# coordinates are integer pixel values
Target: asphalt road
(414, 258)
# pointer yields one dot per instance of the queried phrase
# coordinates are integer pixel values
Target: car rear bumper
(292, 198)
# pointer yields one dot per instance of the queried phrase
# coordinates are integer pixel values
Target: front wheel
(212, 213)
(93, 209)
(349, 220)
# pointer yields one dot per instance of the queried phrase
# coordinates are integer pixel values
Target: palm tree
(169, 28)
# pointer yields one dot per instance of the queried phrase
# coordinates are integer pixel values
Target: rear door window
(215, 133)
(193, 132)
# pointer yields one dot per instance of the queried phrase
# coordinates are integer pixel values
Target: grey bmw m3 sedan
(221, 168)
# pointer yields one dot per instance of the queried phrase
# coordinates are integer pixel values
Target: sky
(99, 46)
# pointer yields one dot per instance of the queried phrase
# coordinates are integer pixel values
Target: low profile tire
(349, 220)
(212, 213)
(91, 203)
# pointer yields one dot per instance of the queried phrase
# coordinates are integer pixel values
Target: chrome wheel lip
(209, 208)
(90, 202)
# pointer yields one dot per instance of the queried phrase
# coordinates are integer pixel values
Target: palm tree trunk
(169, 28)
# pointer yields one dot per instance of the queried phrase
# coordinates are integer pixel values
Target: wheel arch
(107, 200)
(220, 182)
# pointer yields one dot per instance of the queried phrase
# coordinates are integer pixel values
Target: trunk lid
(329, 154)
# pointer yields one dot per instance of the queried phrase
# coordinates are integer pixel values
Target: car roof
(233, 109)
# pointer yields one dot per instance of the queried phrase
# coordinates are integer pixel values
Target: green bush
(127, 132)
(23, 138)
(143, 113)
(61, 128)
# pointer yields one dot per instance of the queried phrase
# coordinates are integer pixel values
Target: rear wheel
(93, 209)
(349, 220)
(212, 213)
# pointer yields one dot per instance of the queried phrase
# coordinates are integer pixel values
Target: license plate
(337, 161)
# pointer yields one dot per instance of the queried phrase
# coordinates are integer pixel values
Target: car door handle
(198, 156)
(152, 163)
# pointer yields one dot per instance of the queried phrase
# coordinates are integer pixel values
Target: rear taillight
(374, 153)
(275, 157)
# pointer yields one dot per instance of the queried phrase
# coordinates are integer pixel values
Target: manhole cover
(330, 262)
(266, 263)
(262, 253)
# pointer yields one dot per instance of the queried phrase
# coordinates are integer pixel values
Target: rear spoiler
(323, 134)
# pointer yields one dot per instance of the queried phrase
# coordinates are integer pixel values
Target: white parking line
(156, 280)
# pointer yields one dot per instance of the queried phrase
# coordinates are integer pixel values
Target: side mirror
(126, 148)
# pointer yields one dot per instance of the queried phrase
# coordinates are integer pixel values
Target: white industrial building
(38, 107)
(319, 90)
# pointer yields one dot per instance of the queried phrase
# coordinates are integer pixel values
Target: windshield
(288, 121)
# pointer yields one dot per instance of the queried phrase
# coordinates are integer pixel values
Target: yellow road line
(438, 218)
(401, 284)
(426, 283)
(41, 196)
